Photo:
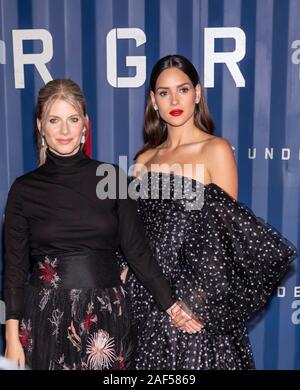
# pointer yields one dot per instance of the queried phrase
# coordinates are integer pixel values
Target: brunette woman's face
(175, 97)
(62, 128)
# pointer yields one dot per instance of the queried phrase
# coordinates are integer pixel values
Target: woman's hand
(184, 320)
(15, 353)
(123, 275)
(14, 350)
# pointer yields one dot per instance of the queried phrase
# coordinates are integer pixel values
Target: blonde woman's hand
(15, 353)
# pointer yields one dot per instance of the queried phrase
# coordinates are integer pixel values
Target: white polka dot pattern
(222, 261)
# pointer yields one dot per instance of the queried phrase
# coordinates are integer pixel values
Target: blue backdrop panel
(261, 119)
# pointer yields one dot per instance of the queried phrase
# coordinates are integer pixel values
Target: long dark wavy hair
(155, 128)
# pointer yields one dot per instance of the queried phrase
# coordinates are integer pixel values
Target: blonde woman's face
(62, 128)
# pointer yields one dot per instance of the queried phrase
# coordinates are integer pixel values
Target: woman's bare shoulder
(217, 144)
(146, 156)
(218, 147)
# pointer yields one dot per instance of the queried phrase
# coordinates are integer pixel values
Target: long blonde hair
(64, 89)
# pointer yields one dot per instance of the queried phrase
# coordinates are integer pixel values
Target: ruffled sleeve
(233, 262)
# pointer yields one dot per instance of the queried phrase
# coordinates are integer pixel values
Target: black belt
(76, 270)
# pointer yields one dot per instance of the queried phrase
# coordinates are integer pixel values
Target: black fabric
(55, 210)
(221, 260)
(78, 270)
(75, 329)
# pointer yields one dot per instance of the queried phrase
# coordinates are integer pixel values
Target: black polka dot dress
(219, 258)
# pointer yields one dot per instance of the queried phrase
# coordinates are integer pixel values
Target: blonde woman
(71, 312)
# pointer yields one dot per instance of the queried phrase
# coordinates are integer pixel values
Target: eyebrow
(58, 116)
(178, 86)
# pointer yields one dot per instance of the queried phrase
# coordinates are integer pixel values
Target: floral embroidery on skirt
(74, 329)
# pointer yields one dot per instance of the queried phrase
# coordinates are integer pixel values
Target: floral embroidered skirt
(73, 328)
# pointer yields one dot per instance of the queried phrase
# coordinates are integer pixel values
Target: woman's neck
(178, 136)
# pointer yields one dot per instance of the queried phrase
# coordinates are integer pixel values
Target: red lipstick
(176, 112)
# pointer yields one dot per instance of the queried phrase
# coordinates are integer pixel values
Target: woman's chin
(65, 150)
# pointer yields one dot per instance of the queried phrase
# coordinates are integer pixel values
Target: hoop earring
(43, 143)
